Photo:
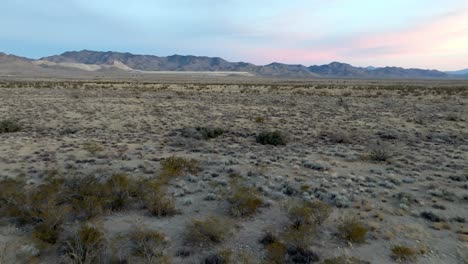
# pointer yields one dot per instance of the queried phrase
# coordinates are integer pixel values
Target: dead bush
(86, 246)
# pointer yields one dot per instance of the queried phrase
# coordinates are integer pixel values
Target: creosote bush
(274, 138)
(177, 166)
(403, 253)
(208, 231)
(245, 201)
(9, 126)
(353, 230)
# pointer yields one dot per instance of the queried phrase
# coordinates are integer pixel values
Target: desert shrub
(119, 188)
(307, 213)
(344, 260)
(156, 200)
(268, 238)
(202, 132)
(274, 138)
(299, 236)
(403, 253)
(353, 230)
(260, 119)
(279, 253)
(177, 166)
(86, 246)
(379, 154)
(9, 126)
(87, 197)
(161, 205)
(226, 256)
(297, 254)
(149, 245)
(209, 230)
(340, 137)
(245, 201)
(92, 147)
(51, 219)
(276, 252)
(13, 199)
(210, 132)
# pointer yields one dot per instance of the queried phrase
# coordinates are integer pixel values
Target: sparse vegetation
(274, 138)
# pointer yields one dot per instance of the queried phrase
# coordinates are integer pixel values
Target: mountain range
(86, 61)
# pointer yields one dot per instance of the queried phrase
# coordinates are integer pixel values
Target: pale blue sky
(409, 33)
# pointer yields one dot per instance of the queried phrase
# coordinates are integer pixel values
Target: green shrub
(353, 230)
(9, 126)
(274, 138)
(209, 230)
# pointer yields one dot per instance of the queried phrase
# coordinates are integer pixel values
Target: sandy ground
(425, 132)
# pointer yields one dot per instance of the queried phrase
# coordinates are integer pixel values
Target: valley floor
(392, 159)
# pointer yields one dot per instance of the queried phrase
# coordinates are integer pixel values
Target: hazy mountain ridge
(460, 72)
(87, 60)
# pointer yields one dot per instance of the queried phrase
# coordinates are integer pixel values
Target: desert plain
(233, 170)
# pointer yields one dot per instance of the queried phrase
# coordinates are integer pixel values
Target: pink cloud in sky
(440, 43)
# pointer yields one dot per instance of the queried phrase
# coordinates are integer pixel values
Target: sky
(429, 34)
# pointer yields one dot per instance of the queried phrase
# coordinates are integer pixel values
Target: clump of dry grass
(404, 253)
